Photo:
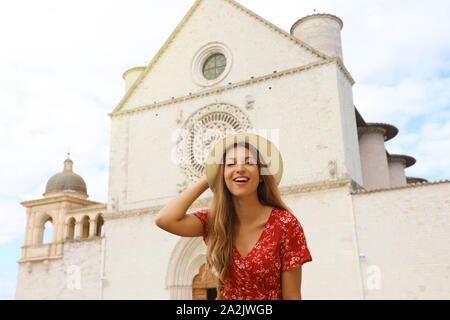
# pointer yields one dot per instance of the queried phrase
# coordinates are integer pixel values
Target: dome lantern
(68, 164)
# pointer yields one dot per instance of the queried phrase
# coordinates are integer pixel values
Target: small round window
(214, 66)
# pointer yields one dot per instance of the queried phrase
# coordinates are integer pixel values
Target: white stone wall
(403, 234)
(137, 257)
(118, 163)
(145, 262)
(76, 275)
(347, 120)
(327, 220)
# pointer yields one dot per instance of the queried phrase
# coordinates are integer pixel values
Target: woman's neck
(248, 209)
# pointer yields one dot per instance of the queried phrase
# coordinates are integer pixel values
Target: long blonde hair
(223, 217)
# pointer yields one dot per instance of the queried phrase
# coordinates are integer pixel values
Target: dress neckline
(266, 226)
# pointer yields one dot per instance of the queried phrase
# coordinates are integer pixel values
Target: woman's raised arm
(173, 218)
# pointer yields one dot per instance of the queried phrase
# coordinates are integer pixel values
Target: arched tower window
(48, 230)
(71, 229)
(100, 224)
(85, 226)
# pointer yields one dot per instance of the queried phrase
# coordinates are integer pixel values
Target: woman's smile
(241, 180)
(241, 171)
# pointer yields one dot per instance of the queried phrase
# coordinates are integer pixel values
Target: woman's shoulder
(283, 216)
(285, 219)
(202, 213)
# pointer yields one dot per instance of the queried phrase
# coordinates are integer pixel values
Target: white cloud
(407, 99)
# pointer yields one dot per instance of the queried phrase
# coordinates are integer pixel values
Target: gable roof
(184, 21)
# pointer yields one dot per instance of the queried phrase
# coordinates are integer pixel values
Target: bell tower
(72, 219)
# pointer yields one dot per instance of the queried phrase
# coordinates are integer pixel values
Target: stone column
(374, 163)
(373, 154)
(322, 32)
(65, 230)
(397, 165)
(38, 232)
(397, 172)
(78, 230)
(92, 227)
(28, 233)
(61, 234)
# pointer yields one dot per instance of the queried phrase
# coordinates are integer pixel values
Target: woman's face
(241, 173)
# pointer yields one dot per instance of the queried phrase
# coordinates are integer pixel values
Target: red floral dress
(257, 276)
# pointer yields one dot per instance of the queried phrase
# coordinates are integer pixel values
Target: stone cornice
(232, 86)
(40, 259)
(377, 130)
(57, 199)
(344, 70)
(95, 207)
(408, 186)
(109, 215)
(202, 203)
(354, 189)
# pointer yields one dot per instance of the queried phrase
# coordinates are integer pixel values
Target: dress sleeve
(293, 249)
(203, 216)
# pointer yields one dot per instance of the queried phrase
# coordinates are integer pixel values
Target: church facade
(373, 232)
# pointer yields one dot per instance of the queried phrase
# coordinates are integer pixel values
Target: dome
(66, 180)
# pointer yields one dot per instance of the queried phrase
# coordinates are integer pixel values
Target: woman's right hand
(173, 217)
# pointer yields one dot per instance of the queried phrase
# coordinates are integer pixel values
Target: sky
(62, 64)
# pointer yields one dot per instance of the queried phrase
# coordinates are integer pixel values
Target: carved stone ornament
(250, 102)
(332, 167)
(202, 130)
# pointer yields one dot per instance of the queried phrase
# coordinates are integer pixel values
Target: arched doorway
(204, 285)
(187, 257)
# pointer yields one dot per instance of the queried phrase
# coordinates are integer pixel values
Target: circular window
(214, 66)
(211, 64)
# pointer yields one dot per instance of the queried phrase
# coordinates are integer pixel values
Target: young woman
(255, 245)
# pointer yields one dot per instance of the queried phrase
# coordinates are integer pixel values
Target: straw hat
(270, 155)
